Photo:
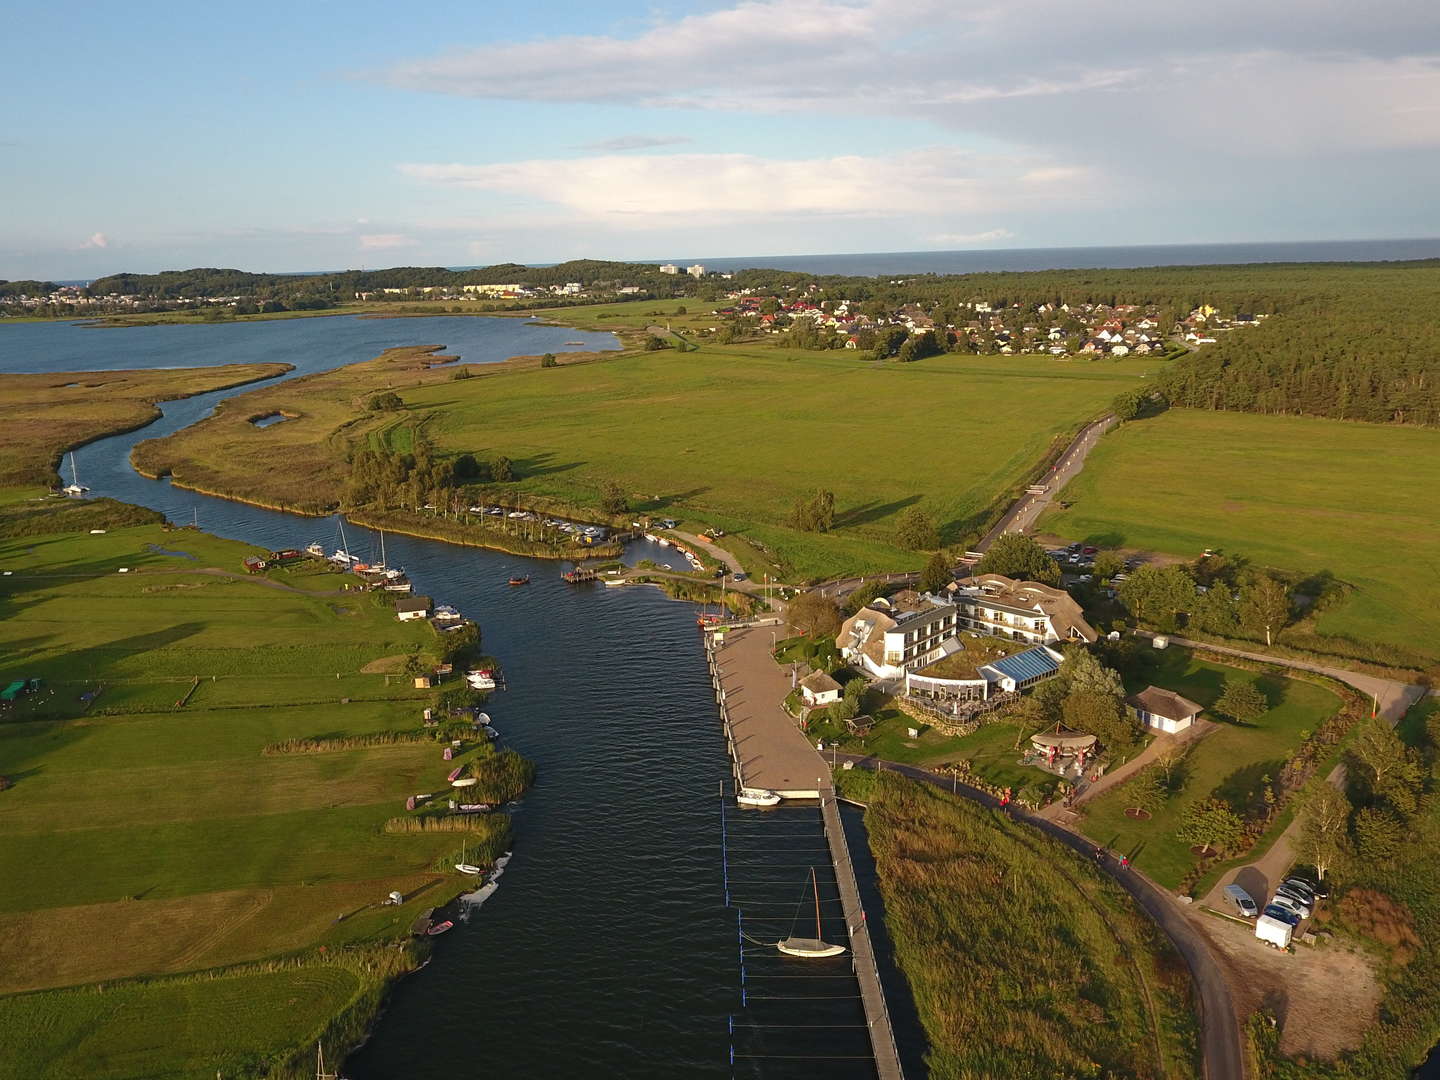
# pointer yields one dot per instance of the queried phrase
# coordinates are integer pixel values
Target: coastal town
(745, 540)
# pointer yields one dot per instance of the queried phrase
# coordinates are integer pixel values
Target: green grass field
(1230, 763)
(160, 837)
(1359, 500)
(1023, 959)
(47, 414)
(732, 436)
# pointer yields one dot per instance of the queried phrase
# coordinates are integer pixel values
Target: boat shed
(412, 607)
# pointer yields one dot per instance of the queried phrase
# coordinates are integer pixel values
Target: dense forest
(209, 282)
(27, 288)
(1367, 347)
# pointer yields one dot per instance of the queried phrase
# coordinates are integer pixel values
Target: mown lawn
(1230, 763)
(146, 838)
(1024, 961)
(732, 436)
(1358, 500)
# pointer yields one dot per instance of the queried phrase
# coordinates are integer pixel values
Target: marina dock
(768, 750)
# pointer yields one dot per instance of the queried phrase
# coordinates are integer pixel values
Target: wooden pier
(768, 750)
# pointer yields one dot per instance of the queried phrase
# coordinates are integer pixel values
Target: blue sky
(322, 135)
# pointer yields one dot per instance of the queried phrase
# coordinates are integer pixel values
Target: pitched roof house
(1021, 610)
(1164, 710)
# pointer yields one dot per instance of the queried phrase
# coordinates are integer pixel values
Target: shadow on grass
(1242, 789)
(869, 512)
(543, 465)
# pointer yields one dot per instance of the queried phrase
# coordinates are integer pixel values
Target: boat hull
(809, 948)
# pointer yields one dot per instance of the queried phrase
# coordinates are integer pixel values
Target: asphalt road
(1022, 516)
(1219, 1032)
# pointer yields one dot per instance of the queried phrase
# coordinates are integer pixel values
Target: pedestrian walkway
(1160, 745)
(769, 749)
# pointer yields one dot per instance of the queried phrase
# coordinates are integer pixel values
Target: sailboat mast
(815, 885)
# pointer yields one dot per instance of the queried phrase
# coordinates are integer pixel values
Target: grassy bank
(1356, 500)
(1023, 959)
(47, 414)
(154, 815)
(733, 436)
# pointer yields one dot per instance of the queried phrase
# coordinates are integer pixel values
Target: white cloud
(384, 241)
(96, 240)
(667, 190)
(965, 240)
(634, 142)
(1287, 77)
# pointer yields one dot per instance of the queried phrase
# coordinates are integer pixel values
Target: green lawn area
(732, 436)
(1308, 495)
(1023, 959)
(990, 749)
(162, 838)
(1230, 763)
(114, 1033)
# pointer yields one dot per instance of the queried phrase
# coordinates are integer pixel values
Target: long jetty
(768, 750)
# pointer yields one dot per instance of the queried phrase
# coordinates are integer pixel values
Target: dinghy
(809, 948)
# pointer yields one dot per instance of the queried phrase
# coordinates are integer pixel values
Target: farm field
(1358, 500)
(732, 436)
(47, 413)
(164, 837)
(1023, 959)
(1230, 763)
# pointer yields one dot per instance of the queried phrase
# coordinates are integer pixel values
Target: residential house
(1163, 710)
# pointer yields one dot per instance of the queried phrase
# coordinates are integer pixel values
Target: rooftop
(971, 652)
(1166, 703)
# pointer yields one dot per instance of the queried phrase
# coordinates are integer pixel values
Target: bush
(386, 402)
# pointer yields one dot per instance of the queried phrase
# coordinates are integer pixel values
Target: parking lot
(1324, 996)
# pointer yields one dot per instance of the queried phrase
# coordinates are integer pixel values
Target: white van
(1243, 901)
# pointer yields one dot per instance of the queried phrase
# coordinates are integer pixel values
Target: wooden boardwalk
(769, 750)
(862, 953)
(767, 746)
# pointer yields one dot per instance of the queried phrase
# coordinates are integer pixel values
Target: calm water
(607, 951)
(1114, 258)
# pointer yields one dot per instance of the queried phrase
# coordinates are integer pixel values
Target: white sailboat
(342, 553)
(809, 948)
(466, 867)
(74, 488)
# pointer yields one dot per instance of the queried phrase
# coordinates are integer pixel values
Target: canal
(607, 949)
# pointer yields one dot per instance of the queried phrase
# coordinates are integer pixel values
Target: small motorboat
(315, 549)
(490, 732)
(469, 868)
(520, 580)
(749, 796)
(440, 928)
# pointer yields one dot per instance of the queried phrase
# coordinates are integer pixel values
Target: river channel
(607, 950)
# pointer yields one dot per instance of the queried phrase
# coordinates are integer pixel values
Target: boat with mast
(342, 553)
(74, 488)
(809, 948)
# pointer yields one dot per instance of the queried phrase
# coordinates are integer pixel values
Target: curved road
(1219, 1031)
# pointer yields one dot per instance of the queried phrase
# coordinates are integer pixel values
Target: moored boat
(520, 580)
(809, 948)
(440, 928)
(748, 796)
(468, 868)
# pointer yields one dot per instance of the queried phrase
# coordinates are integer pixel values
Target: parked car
(1089, 551)
(1282, 913)
(1294, 899)
(739, 575)
(1243, 901)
